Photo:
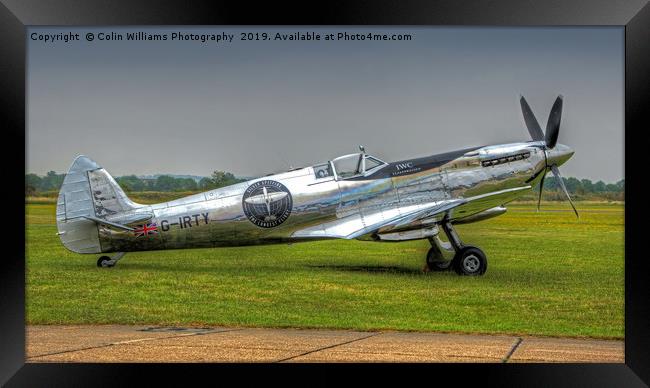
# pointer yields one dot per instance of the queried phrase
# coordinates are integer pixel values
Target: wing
(484, 202)
(355, 225)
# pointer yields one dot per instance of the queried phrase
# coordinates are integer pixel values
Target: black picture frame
(16, 15)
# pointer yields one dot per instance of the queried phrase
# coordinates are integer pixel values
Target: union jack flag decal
(146, 230)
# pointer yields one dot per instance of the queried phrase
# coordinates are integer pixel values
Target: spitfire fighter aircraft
(356, 196)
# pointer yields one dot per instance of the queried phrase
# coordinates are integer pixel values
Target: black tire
(470, 261)
(434, 263)
(102, 260)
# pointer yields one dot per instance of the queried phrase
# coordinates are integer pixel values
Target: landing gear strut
(464, 259)
(106, 261)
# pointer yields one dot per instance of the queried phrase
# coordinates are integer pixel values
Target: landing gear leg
(440, 255)
(106, 261)
(464, 259)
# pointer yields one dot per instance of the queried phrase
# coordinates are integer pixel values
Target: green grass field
(548, 274)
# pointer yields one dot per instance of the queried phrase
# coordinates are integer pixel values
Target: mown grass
(549, 274)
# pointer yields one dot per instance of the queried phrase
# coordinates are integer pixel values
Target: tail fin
(87, 191)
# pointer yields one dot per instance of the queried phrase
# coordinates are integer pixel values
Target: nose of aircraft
(559, 155)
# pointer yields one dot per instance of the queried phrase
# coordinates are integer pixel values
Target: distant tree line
(52, 181)
(583, 188)
(169, 183)
(35, 184)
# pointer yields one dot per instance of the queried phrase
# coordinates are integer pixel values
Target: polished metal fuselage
(216, 218)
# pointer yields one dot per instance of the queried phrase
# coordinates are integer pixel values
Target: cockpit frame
(361, 165)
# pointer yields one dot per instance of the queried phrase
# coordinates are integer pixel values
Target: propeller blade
(531, 122)
(553, 123)
(558, 176)
(541, 187)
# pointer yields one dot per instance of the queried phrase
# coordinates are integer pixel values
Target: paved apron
(121, 343)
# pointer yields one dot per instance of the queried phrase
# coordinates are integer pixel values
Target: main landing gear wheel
(105, 262)
(434, 263)
(470, 261)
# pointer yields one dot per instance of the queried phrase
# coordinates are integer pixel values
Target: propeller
(541, 186)
(531, 122)
(558, 176)
(553, 123)
(550, 141)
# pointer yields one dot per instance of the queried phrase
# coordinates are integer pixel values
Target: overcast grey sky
(257, 107)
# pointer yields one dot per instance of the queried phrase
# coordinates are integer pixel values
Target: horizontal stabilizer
(108, 223)
(131, 218)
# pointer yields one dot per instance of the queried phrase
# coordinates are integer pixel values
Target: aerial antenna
(279, 155)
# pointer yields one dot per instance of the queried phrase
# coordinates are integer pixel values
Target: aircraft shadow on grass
(370, 269)
(391, 269)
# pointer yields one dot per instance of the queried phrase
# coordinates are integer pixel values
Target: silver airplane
(356, 196)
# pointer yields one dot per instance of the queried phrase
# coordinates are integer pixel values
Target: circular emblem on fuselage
(267, 203)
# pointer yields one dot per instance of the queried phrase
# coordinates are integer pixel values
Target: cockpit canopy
(349, 166)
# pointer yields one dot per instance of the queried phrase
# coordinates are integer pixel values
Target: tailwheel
(435, 262)
(470, 261)
(104, 262)
(107, 262)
